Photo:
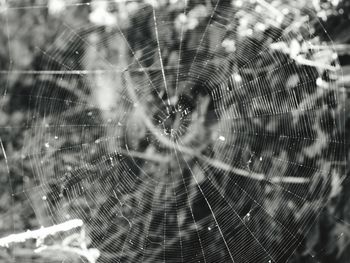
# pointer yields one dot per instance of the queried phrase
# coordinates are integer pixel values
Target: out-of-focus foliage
(66, 172)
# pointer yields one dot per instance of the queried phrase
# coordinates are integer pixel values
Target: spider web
(174, 142)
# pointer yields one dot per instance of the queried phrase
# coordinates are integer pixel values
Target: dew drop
(319, 82)
(222, 138)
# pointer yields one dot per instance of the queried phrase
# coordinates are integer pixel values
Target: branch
(145, 156)
(303, 61)
(41, 233)
(252, 175)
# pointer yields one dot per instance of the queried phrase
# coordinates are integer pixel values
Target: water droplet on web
(237, 77)
(44, 198)
(47, 145)
(319, 82)
(222, 138)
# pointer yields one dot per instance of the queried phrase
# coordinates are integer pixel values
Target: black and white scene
(174, 131)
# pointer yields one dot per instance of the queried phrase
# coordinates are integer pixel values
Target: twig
(336, 47)
(40, 233)
(139, 155)
(303, 61)
(252, 175)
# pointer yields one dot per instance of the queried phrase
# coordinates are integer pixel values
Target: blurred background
(175, 130)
